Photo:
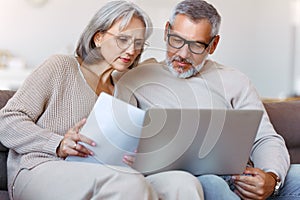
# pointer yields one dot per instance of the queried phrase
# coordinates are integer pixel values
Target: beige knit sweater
(216, 86)
(52, 99)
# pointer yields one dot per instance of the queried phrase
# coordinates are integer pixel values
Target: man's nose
(184, 51)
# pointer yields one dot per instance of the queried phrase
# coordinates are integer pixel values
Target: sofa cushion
(4, 195)
(3, 171)
(285, 117)
(3, 148)
(5, 96)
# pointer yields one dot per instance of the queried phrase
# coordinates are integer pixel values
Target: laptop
(200, 141)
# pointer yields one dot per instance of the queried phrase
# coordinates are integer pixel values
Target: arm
(269, 153)
(19, 128)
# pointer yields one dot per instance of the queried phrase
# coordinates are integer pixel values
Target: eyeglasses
(124, 42)
(178, 42)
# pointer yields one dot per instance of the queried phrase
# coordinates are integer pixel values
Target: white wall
(255, 34)
(256, 39)
(35, 33)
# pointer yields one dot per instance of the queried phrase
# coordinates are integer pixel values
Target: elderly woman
(37, 124)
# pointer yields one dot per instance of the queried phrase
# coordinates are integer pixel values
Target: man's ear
(98, 39)
(166, 31)
(214, 44)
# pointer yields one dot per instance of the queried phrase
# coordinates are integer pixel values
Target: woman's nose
(131, 50)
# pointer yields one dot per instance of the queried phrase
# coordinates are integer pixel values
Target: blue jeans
(216, 188)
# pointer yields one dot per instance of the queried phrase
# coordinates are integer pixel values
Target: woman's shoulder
(55, 68)
(57, 64)
(61, 61)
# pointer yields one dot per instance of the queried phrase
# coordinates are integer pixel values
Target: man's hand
(255, 184)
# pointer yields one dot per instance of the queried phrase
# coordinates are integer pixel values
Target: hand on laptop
(254, 184)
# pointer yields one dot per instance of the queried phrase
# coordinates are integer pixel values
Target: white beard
(189, 73)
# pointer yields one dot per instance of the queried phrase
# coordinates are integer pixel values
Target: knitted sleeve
(18, 119)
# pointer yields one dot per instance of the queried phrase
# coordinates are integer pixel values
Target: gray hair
(198, 10)
(102, 21)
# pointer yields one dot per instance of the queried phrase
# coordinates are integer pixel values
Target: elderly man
(188, 79)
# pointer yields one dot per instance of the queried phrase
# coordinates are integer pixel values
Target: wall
(34, 33)
(255, 35)
(256, 38)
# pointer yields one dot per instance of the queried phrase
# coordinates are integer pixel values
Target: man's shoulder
(148, 61)
(150, 66)
(230, 77)
(145, 67)
(214, 66)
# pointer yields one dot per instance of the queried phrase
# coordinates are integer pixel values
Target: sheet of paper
(115, 126)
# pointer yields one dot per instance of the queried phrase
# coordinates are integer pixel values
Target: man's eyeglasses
(178, 42)
(124, 42)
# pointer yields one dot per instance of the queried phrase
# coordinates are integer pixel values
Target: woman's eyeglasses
(125, 41)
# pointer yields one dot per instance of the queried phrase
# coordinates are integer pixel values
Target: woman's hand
(69, 145)
(129, 159)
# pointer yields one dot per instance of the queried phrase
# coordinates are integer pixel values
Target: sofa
(284, 115)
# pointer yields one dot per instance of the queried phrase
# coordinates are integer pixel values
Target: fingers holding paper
(129, 160)
(70, 146)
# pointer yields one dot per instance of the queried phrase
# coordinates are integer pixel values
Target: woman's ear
(98, 39)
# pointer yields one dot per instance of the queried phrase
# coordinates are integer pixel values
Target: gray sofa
(285, 117)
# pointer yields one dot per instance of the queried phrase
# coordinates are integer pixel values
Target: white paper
(115, 127)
